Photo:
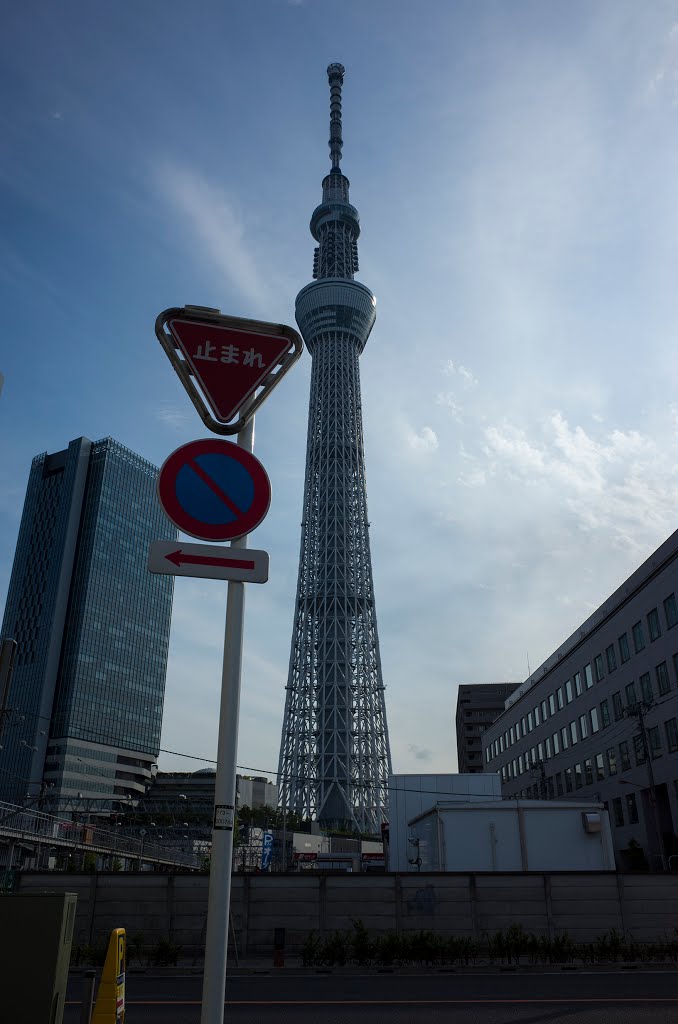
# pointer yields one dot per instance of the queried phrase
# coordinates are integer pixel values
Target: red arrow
(179, 558)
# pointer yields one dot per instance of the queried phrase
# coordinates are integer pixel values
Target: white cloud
(217, 224)
(447, 400)
(172, 417)
(424, 441)
(451, 369)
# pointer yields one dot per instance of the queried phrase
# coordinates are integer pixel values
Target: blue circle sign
(214, 490)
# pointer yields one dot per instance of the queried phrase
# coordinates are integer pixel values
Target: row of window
(574, 688)
(603, 765)
(579, 729)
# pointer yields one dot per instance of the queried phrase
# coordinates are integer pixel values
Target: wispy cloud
(214, 219)
(172, 417)
(466, 376)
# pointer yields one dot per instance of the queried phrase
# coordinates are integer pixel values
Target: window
(520, 763)
(618, 811)
(630, 692)
(653, 627)
(568, 689)
(530, 723)
(604, 714)
(578, 777)
(524, 725)
(645, 684)
(512, 735)
(671, 611)
(559, 698)
(611, 660)
(583, 726)
(655, 742)
(588, 772)
(547, 746)
(638, 640)
(639, 749)
(556, 743)
(536, 717)
(600, 767)
(662, 674)
(594, 720)
(563, 738)
(552, 703)
(501, 744)
(671, 730)
(577, 684)
(533, 755)
(544, 712)
(632, 808)
(559, 783)
(568, 780)
(573, 732)
(617, 706)
(612, 761)
(588, 676)
(598, 665)
(624, 756)
(624, 653)
(540, 751)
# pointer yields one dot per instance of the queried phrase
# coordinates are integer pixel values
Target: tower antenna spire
(335, 76)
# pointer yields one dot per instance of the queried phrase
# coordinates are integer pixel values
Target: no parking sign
(214, 490)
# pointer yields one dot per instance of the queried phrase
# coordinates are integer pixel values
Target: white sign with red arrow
(208, 561)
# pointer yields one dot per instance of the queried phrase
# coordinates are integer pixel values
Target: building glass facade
(92, 626)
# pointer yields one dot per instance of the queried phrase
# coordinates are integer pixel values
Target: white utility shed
(513, 835)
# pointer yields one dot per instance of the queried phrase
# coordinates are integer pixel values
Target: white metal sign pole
(219, 899)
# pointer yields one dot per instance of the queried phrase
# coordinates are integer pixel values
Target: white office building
(598, 721)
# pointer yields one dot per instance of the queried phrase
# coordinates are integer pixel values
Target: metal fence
(28, 827)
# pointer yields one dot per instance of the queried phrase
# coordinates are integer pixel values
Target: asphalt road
(623, 997)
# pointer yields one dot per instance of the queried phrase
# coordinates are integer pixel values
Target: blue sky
(514, 165)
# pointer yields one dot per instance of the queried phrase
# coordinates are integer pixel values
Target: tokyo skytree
(334, 753)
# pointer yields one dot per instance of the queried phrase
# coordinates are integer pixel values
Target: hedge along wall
(160, 906)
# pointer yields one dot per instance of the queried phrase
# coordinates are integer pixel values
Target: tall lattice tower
(334, 752)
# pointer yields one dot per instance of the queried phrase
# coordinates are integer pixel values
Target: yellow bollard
(110, 1005)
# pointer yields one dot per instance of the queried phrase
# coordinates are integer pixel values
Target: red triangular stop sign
(229, 365)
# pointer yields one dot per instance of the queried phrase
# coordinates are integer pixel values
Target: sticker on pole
(227, 365)
(223, 817)
(214, 490)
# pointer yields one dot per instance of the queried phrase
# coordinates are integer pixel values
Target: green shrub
(165, 954)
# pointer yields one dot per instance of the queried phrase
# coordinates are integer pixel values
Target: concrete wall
(174, 906)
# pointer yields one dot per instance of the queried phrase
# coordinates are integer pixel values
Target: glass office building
(92, 627)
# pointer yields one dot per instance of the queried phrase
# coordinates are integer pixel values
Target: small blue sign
(266, 851)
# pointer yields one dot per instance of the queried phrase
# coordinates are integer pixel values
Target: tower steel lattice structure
(334, 753)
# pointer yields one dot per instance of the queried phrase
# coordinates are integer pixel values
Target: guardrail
(28, 824)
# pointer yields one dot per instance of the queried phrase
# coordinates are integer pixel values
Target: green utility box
(36, 931)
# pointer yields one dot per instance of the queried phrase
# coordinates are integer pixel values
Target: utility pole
(639, 710)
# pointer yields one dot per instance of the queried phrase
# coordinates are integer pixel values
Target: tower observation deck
(334, 753)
